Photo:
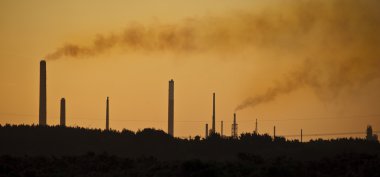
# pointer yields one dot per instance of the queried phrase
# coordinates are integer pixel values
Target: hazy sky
(308, 64)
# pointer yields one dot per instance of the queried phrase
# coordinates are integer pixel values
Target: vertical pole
(301, 135)
(274, 133)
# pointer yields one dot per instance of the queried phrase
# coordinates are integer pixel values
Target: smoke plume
(327, 79)
(339, 38)
(342, 46)
(280, 25)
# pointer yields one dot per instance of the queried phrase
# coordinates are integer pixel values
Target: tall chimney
(234, 128)
(213, 113)
(107, 115)
(274, 133)
(206, 136)
(171, 108)
(256, 128)
(221, 128)
(63, 112)
(42, 114)
(301, 135)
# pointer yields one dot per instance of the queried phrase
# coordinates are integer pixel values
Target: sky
(310, 65)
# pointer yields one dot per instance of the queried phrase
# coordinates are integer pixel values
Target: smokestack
(213, 113)
(63, 112)
(234, 128)
(221, 129)
(256, 128)
(301, 135)
(171, 108)
(107, 115)
(274, 133)
(42, 115)
(206, 131)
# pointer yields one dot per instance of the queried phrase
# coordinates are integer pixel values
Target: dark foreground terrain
(64, 151)
(355, 165)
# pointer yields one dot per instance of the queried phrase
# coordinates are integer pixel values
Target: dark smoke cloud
(134, 38)
(327, 78)
(343, 51)
(340, 38)
(280, 25)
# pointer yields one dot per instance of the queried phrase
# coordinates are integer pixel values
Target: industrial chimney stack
(171, 108)
(206, 134)
(63, 113)
(221, 128)
(213, 114)
(234, 128)
(107, 115)
(42, 114)
(256, 131)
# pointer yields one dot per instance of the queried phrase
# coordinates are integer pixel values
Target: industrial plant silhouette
(43, 108)
(128, 153)
(170, 130)
(55, 140)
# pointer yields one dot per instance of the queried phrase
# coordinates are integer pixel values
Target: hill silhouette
(20, 140)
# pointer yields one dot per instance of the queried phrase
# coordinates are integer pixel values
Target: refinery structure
(208, 132)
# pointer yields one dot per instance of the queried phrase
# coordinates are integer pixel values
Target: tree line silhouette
(19, 140)
(105, 165)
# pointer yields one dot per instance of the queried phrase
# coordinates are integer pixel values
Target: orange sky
(238, 49)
